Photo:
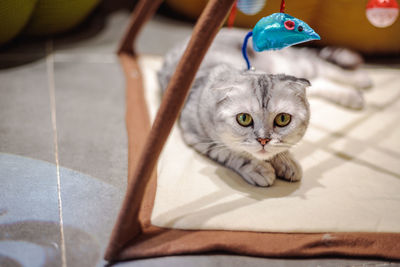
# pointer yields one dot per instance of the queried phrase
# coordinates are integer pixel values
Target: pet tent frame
(133, 235)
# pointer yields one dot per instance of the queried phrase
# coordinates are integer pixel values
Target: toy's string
(282, 6)
(250, 33)
(244, 48)
(232, 15)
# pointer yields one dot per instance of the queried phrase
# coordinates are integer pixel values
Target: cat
(247, 120)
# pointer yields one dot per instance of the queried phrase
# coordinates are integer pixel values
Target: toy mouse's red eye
(289, 24)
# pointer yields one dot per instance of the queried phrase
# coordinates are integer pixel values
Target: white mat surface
(351, 163)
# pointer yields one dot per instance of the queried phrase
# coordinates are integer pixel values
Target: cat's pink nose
(263, 141)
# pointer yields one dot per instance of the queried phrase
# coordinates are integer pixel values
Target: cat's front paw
(287, 168)
(258, 173)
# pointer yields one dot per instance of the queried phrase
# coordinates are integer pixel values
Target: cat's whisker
(281, 144)
(221, 147)
(286, 144)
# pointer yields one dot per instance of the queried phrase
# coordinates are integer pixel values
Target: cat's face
(263, 115)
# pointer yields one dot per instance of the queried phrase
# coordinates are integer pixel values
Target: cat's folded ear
(304, 82)
(295, 83)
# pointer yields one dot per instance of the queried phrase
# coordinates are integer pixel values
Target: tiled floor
(63, 149)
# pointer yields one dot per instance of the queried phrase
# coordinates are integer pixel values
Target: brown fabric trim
(127, 225)
(163, 242)
(137, 129)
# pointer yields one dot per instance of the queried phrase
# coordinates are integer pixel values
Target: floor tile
(239, 261)
(101, 36)
(105, 41)
(25, 119)
(90, 100)
(29, 214)
(29, 218)
(161, 34)
(90, 208)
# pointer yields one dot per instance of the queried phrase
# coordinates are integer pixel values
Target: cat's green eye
(282, 119)
(244, 119)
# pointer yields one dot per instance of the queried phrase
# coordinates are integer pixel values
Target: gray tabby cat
(248, 119)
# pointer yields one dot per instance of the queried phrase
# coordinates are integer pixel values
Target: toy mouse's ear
(289, 24)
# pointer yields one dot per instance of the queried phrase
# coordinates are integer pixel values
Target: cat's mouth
(262, 154)
(262, 151)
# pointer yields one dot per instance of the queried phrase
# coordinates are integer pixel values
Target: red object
(382, 4)
(289, 24)
(232, 15)
(382, 13)
(283, 6)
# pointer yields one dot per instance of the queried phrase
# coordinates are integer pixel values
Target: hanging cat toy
(274, 32)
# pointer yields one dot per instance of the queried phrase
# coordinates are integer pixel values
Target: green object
(14, 15)
(55, 16)
(41, 17)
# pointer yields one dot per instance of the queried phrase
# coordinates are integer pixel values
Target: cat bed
(350, 181)
(346, 205)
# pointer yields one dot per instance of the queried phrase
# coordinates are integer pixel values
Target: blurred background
(340, 23)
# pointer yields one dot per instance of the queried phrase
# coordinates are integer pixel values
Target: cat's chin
(262, 155)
